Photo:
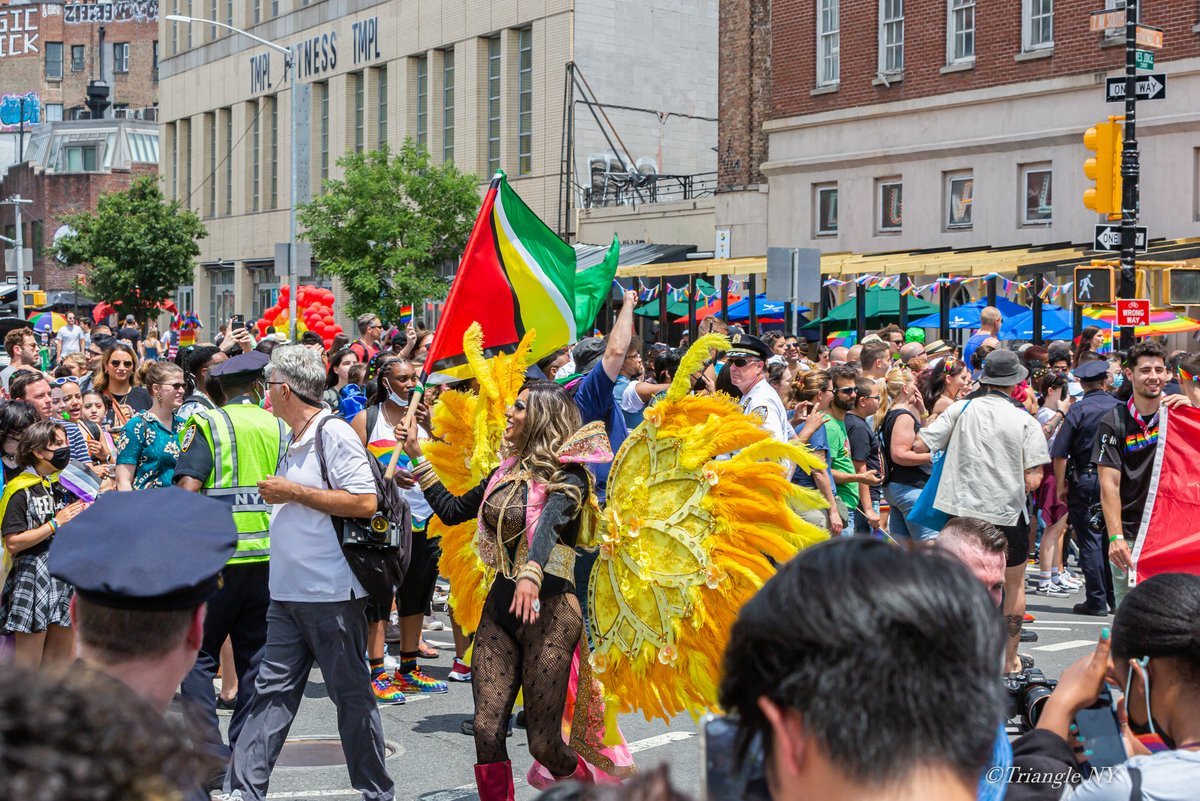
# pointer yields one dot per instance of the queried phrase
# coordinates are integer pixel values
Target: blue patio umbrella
(1056, 324)
(763, 308)
(967, 315)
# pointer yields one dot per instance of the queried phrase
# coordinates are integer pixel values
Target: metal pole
(904, 282)
(725, 298)
(823, 308)
(991, 291)
(753, 304)
(691, 308)
(860, 312)
(1037, 308)
(294, 191)
(664, 324)
(1130, 169)
(944, 310)
(17, 202)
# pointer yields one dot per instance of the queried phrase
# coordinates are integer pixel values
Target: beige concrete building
(483, 84)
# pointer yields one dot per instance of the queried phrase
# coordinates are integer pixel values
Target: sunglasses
(742, 362)
(58, 382)
(115, 363)
(846, 391)
(178, 385)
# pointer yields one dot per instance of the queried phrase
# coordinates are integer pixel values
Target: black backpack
(378, 548)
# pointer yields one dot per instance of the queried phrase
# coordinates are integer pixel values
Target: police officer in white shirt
(747, 365)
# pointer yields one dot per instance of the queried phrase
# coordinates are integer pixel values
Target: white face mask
(394, 398)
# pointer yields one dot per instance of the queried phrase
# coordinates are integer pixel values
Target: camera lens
(1033, 702)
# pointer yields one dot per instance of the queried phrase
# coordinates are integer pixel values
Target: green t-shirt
(839, 459)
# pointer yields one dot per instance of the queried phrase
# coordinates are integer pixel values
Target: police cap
(241, 369)
(745, 345)
(1092, 371)
(114, 555)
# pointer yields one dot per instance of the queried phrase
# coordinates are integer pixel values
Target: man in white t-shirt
(70, 337)
(317, 610)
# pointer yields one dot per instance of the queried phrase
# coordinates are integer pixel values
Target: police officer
(225, 453)
(140, 590)
(1079, 484)
(747, 364)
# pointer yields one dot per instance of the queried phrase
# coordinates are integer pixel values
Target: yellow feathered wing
(468, 430)
(685, 541)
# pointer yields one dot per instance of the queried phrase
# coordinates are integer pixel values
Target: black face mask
(61, 458)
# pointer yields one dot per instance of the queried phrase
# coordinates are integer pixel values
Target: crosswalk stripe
(1064, 646)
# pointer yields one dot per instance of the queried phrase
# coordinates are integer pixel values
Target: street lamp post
(296, 90)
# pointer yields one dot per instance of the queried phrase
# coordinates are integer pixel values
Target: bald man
(989, 326)
(912, 355)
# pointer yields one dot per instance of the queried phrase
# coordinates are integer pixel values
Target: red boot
(494, 781)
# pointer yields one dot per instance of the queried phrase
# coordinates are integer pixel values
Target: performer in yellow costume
(699, 511)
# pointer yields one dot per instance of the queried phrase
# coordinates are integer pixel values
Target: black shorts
(1018, 543)
(416, 591)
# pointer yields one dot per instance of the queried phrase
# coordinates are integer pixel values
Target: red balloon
(328, 343)
(284, 291)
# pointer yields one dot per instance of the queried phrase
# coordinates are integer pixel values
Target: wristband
(53, 526)
(1113, 538)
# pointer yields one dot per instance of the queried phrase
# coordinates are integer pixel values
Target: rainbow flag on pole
(516, 275)
(406, 314)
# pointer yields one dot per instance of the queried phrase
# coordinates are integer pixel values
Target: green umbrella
(883, 306)
(676, 308)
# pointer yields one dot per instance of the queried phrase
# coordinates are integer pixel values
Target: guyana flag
(516, 275)
(1169, 536)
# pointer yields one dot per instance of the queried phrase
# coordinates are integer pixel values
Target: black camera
(377, 532)
(1028, 691)
(1096, 517)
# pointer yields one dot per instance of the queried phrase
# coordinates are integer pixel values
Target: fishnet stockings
(538, 655)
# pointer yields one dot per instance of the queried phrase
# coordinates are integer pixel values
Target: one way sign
(1108, 237)
(1149, 87)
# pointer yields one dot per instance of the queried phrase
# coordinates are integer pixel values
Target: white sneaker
(1052, 590)
(435, 625)
(459, 672)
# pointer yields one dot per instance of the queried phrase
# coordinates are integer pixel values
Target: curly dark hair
(80, 735)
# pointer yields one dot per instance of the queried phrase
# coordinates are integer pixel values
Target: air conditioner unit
(647, 166)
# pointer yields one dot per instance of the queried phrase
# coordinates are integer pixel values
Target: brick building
(68, 166)
(941, 123)
(51, 51)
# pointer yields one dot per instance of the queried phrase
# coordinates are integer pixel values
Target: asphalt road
(433, 761)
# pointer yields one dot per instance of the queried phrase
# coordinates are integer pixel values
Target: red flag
(1169, 538)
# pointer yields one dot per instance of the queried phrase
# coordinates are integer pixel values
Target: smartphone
(723, 778)
(1101, 733)
(237, 321)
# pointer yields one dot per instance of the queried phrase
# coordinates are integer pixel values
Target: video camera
(1028, 691)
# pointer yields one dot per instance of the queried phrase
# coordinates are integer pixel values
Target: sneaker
(1029, 618)
(1052, 590)
(1029, 635)
(1085, 609)
(391, 634)
(459, 672)
(1069, 586)
(435, 625)
(385, 691)
(418, 682)
(1070, 580)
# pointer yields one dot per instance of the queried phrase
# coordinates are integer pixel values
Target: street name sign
(1107, 20)
(1148, 36)
(1108, 238)
(1149, 87)
(1145, 59)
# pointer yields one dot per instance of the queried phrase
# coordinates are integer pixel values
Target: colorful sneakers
(416, 681)
(385, 691)
(459, 672)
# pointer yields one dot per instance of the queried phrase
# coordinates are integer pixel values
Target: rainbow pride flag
(406, 314)
(516, 275)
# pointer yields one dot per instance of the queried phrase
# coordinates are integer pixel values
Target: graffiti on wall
(12, 111)
(19, 31)
(119, 11)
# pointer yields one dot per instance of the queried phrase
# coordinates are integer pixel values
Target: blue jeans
(902, 498)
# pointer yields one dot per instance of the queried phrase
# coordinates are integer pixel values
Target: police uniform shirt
(763, 400)
(1078, 432)
(196, 457)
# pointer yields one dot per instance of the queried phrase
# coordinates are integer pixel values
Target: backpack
(378, 549)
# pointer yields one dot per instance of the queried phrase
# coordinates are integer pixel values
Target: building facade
(486, 85)
(51, 52)
(942, 123)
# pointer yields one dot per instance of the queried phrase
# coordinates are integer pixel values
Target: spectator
(337, 377)
(835, 723)
(631, 393)
(1053, 580)
(74, 406)
(1124, 457)
(1154, 655)
(130, 333)
(70, 338)
(823, 356)
(912, 355)
(317, 609)
(994, 452)
(942, 384)
(845, 472)
(340, 340)
(876, 359)
(34, 389)
(775, 341)
(94, 355)
(550, 364)
(150, 439)
(839, 355)
(1091, 340)
(779, 376)
(312, 340)
(1188, 372)
(813, 398)
(990, 321)
(73, 364)
(864, 451)
(793, 354)
(117, 381)
(366, 347)
(893, 336)
(906, 471)
(15, 417)
(22, 348)
(152, 348)
(197, 362)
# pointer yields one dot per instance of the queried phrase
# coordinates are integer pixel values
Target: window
(228, 12)
(256, 11)
(255, 156)
(273, 195)
(1038, 23)
(323, 127)
(423, 101)
(54, 112)
(174, 28)
(37, 235)
(360, 110)
(891, 36)
(960, 194)
(960, 31)
(274, 8)
(213, 30)
(827, 210)
(211, 185)
(524, 101)
(172, 148)
(381, 87)
(77, 54)
(828, 42)
(81, 158)
(493, 104)
(185, 127)
(154, 62)
(120, 56)
(891, 206)
(1037, 205)
(54, 61)
(227, 113)
(448, 107)
(189, 27)
(221, 297)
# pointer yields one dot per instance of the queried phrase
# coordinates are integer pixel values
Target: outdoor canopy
(883, 307)
(675, 307)
(1056, 324)
(967, 315)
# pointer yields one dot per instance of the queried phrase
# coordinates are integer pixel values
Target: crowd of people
(946, 472)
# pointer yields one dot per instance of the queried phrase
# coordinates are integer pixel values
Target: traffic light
(1095, 285)
(1181, 286)
(1106, 140)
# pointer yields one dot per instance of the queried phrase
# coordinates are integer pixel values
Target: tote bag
(923, 512)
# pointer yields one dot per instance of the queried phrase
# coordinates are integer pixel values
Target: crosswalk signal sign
(1095, 285)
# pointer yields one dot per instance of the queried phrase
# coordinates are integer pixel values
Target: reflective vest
(247, 444)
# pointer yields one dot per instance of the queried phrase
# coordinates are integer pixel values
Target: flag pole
(413, 401)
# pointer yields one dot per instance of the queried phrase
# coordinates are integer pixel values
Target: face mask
(1149, 726)
(1118, 380)
(394, 398)
(61, 458)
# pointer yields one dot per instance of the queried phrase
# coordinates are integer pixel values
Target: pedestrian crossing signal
(1182, 286)
(1105, 140)
(1095, 285)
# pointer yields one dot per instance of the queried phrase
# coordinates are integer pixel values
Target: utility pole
(1130, 170)
(16, 201)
